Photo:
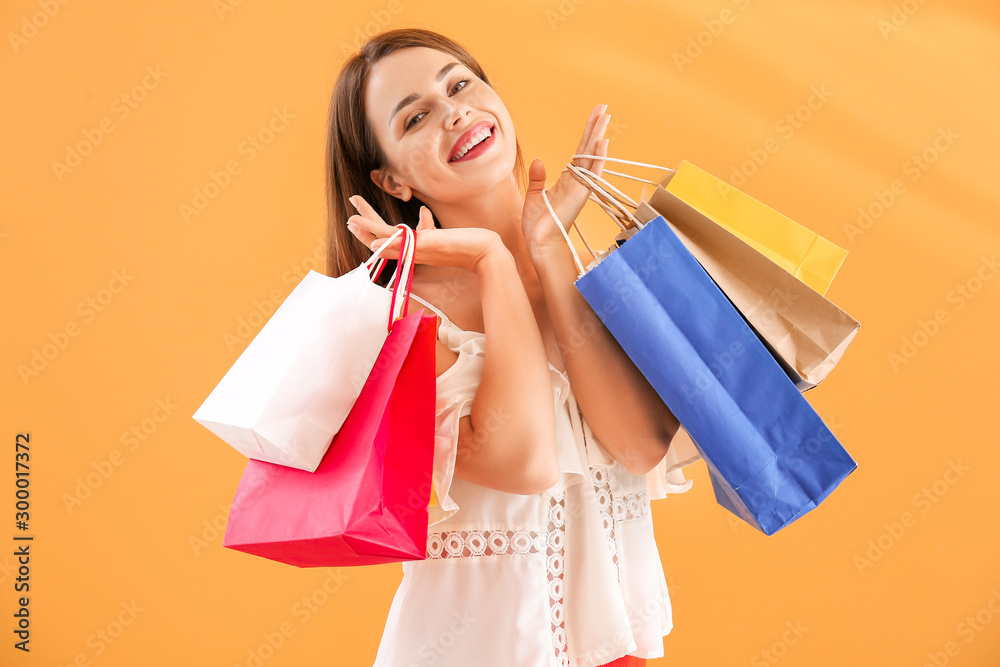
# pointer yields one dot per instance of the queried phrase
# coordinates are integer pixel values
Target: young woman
(549, 441)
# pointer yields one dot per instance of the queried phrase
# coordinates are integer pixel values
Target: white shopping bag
(291, 389)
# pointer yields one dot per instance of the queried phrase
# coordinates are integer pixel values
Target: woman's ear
(384, 180)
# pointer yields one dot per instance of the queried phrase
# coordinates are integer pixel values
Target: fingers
(367, 225)
(536, 177)
(595, 115)
(365, 209)
(367, 219)
(391, 251)
(359, 232)
(596, 138)
(597, 166)
(425, 220)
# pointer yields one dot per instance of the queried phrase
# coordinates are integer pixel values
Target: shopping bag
(771, 459)
(367, 501)
(803, 253)
(806, 333)
(770, 456)
(293, 386)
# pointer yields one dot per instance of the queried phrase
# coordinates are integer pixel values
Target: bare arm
(623, 410)
(621, 407)
(508, 442)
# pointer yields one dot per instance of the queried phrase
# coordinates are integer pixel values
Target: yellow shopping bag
(803, 253)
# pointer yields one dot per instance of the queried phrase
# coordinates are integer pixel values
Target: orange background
(897, 77)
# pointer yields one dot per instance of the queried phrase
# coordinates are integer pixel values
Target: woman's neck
(500, 210)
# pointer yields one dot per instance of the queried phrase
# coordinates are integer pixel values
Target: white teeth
(482, 135)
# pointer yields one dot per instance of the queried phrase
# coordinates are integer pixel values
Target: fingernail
(353, 203)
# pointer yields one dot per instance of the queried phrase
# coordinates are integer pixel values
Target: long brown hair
(352, 150)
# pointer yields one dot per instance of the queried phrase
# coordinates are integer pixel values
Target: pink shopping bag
(367, 501)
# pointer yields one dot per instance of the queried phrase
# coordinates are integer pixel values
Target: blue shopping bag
(770, 457)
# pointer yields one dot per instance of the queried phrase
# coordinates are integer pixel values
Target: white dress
(571, 576)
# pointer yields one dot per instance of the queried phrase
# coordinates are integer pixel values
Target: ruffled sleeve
(456, 389)
(667, 477)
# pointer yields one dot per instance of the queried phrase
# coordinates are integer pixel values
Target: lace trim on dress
(551, 543)
(624, 507)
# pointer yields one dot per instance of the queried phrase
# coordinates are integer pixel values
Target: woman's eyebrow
(412, 97)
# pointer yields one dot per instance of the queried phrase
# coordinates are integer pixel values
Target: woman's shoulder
(447, 296)
(452, 292)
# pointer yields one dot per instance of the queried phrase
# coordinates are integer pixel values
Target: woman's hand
(462, 247)
(568, 195)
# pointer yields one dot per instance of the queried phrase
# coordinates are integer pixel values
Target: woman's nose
(454, 112)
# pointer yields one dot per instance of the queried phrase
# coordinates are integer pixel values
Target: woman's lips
(477, 149)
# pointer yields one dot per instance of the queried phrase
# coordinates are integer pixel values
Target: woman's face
(442, 100)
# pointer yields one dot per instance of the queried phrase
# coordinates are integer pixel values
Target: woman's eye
(413, 120)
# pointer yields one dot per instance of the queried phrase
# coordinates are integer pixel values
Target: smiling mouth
(477, 148)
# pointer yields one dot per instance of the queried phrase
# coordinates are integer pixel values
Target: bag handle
(614, 202)
(622, 198)
(638, 164)
(402, 276)
(559, 224)
(381, 260)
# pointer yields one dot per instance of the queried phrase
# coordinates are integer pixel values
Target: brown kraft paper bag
(806, 333)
